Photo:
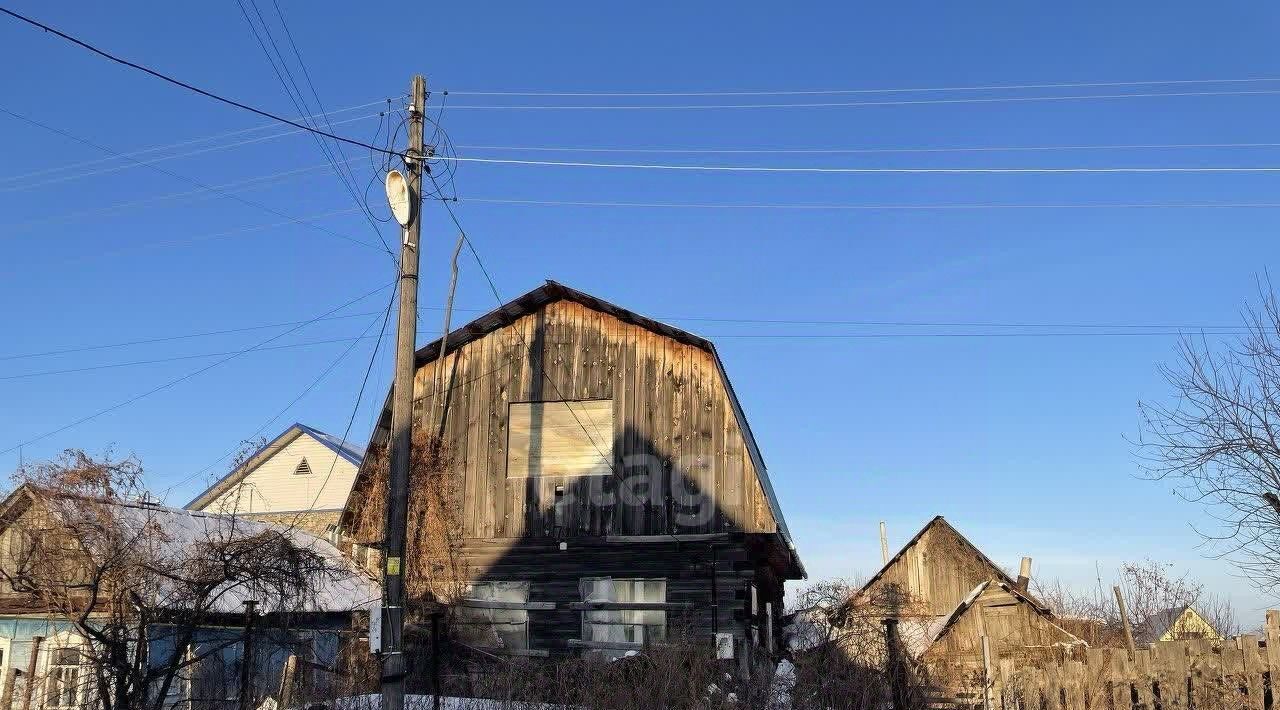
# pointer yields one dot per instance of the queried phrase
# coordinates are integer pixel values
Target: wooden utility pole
(1124, 620)
(393, 661)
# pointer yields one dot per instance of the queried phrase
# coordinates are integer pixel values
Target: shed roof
(944, 624)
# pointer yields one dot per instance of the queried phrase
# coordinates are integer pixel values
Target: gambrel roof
(345, 450)
(552, 292)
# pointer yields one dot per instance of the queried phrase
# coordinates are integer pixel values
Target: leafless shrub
(838, 647)
(85, 548)
(1151, 590)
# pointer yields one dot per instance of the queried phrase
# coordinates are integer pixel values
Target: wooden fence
(1194, 674)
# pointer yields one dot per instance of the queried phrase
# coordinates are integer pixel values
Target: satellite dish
(399, 196)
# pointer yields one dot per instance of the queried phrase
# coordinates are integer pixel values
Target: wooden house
(1015, 626)
(302, 477)
(607, 492)
(48, 661)
(936, 570)
(1174, 624)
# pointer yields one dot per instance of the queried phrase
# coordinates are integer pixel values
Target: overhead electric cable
(181, 177)
(855, 104)
(810, 92)
(69, 173)
(190, 87)
(875, 207)
(62, 167)
(176, 381)
(320, 378)
(294, 93)
(851, 151)
(770, 336)
(858, 170)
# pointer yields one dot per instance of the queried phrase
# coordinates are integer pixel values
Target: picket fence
(1195, 674)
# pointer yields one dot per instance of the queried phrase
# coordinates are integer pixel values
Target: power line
(300, 104)
(73, 174)
(199, 238)
(812, 92)
(364, 382)
(221, 190)
(314, 383)
(852, 151)
(187, 86)
(189, 375)
(192, 141)
(856, 170)
(769, 336)
(875, 207)
(306, 390)
(179, 176)
(853, 104)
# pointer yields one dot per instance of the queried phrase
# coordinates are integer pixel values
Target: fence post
(987, 679)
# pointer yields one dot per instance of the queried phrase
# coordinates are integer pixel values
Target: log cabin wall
(670, 411)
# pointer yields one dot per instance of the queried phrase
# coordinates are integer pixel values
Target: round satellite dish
(399, 197)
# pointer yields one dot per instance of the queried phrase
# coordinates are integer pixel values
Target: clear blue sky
(1020, 441)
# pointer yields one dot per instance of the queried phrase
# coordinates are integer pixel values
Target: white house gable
(305, 474)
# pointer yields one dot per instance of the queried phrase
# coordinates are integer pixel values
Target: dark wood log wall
(554, 574)
(669, 401)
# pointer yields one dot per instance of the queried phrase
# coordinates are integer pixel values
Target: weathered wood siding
(936, 571)
(1013, 627)
(671, 413)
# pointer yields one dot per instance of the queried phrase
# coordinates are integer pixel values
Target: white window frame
(6, 659)
(625, 626)
(55, 645)
(508, 629)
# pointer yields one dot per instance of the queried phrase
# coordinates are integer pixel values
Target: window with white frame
(489, 625)
(621, 625)
(63, 678)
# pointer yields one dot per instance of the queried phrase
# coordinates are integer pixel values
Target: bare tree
(1152, 592)
(136, 583)
(1218, 441)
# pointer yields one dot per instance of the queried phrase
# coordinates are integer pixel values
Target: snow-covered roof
(340, 586)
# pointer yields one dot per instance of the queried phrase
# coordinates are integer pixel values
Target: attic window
(303, 469)
(566, 439)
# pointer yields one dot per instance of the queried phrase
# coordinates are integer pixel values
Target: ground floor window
(63, 678)
(481, 621)
(621, 625)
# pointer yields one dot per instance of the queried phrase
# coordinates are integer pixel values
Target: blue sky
(1020, 441)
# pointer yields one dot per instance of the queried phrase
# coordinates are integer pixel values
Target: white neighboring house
(303, 475)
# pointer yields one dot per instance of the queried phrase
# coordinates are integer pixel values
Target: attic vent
(303, 469)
